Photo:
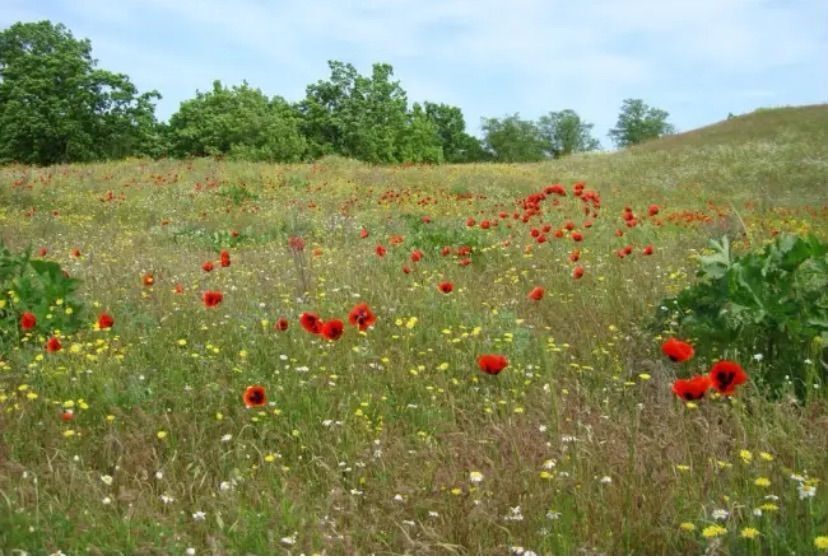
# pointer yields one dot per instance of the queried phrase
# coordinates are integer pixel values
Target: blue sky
(697, 59)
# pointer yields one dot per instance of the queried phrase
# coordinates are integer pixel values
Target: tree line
(57, 106)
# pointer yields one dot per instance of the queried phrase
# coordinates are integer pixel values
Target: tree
(565, 133)
(513, 140)
(458, 146)
(366, 118)
(239, 121)
(56, 106)
(638, 122)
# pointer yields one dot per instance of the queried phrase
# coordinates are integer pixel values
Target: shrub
(772, 305)
(39, 287)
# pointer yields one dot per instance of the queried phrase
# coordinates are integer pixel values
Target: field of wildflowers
(346, 359)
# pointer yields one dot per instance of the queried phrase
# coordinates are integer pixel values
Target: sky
(697, 59)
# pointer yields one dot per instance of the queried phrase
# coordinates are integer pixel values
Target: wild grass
(369, 443)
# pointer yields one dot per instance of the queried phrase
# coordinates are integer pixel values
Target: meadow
(143, 438)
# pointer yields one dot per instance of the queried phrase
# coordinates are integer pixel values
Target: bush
(39, 287)
(771, 305)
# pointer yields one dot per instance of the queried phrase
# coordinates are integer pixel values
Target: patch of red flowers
(677, 350)
(254, 396)
(361, 316)
(105, 321)
(536, 293)
(725, 376)
(492, 363)
(296, 243)
(28, 321)
(310, 322)
(332, 329)
(212, 298)
(445, 287)
(53, 344)
(692, 389)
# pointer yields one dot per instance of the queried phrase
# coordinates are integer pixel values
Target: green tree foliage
(638, 122)
(513, 140)
(240, 122)
(458, 145)
(564, 133)
(56, 106)
(366, 118)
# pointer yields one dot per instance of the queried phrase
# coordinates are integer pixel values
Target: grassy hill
(394, 440)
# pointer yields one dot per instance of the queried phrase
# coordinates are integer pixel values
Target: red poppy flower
(445, 251)
(577, 236)
(726, 375)
(53, 344)
(148, 279)
(464, 262)
(363, 233)
(296, 243)
(691, 389)
(534, 232)
(28, 321)
(575, 255)
(179, 288)
(310, 322)
(361, 316)
(254, 396)
(536, 293)
(648, 250)
(577, 272)
(628, 249)
(211, 298)
(234, 233)
(207, 266)
(405, 269)
(559, 233)
(42, 252)
(225, 258)
(105, 321)
(416, 255)
(281, 324)
(426, 219)
(569, 226)
(470, 222)
(492, 363)
(380, 250)
(445, 287)
(67, 415)
(653, 209)
(76, 253)
(677, 350)
(619, 233)
(485, 224)
(332, 329)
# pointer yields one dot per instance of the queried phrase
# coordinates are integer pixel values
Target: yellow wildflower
(713, 531)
